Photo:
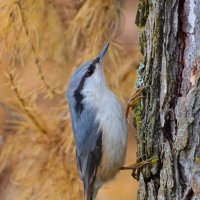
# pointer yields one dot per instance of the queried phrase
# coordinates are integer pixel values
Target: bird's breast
(113, 124)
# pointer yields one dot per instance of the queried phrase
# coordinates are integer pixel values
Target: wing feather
(88, 162)
(88, 138)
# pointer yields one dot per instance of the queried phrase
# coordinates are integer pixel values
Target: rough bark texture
(168, 118)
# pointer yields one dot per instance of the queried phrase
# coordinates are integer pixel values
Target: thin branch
(23, 103)
(37, 60)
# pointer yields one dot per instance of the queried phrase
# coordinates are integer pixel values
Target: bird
(99, 125)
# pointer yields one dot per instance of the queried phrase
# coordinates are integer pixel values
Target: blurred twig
(14, 86)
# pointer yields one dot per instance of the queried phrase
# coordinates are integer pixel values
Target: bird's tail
(90, 191)
(89, 196)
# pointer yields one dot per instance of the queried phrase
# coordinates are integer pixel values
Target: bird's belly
(113, 125)
(113, 154)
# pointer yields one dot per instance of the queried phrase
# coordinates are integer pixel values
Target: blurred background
(42, 42)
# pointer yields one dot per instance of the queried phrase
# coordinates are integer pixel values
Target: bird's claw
(139, 165)
(134, 98)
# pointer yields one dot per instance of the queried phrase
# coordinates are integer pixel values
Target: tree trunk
(168, 116)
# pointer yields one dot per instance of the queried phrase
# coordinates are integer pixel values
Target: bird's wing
(88, 162)
(88, 139)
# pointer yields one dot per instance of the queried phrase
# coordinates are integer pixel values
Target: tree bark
(168, 116)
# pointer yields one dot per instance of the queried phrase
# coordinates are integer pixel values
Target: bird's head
(89, 76)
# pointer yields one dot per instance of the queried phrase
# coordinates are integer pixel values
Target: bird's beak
(102, 53)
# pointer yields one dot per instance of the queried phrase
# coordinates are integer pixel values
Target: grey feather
(88, 138)
(99, 126)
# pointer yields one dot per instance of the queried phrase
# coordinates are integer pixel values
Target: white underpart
(113, 124)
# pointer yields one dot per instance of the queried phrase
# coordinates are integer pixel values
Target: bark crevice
(169, 123)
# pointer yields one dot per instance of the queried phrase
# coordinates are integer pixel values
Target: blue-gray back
(82, 116)
(83, 123)
(88, 138)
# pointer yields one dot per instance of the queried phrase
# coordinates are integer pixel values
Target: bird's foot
(139, 165)
(132, 101)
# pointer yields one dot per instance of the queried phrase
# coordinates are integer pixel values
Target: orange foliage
(41, 43)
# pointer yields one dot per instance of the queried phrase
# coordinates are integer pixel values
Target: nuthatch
(99, 126)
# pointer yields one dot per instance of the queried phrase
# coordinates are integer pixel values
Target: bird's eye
(90, 70)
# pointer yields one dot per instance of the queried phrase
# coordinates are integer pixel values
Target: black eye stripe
(77, 93)
(91, 67)
(90, 70)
